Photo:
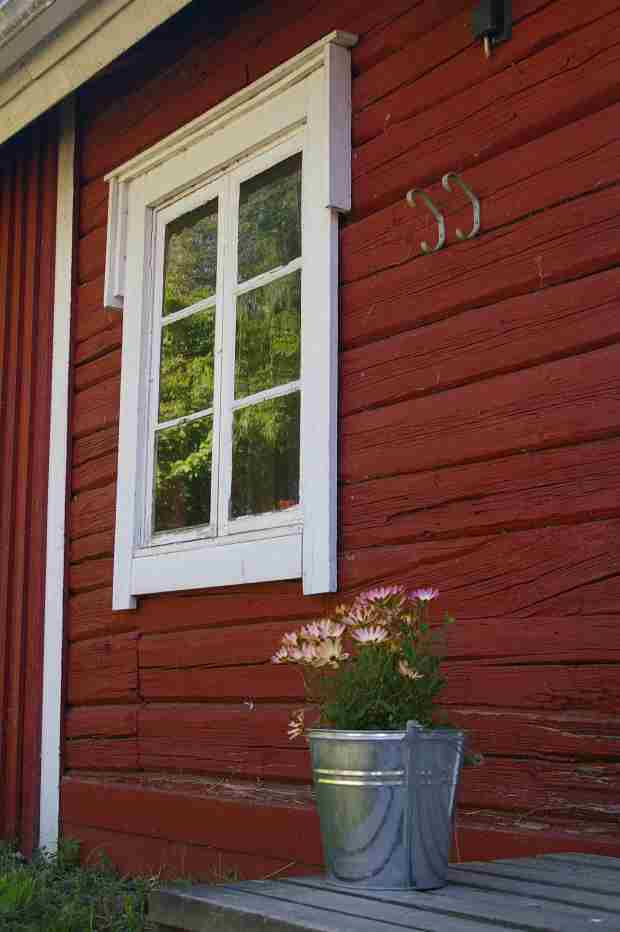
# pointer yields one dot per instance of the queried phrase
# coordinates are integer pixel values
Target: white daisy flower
(330, 629)
(371, 634)
(311, 632)
(424, 595)
(331, 653)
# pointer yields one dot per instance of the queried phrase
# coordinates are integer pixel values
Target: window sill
(218, 563)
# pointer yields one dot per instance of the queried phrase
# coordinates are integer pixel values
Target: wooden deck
(553, 893)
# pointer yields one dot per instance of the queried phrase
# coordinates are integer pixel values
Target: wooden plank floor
(552, 893)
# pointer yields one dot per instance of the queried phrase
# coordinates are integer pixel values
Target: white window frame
(304, 105)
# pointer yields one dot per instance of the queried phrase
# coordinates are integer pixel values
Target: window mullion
(228, 352)
(218, 380)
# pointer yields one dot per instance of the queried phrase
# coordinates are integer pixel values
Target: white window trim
(55, 575)
(309, 95)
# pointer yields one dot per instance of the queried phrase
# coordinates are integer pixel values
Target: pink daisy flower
(380, 594)
(426, 594)
(372, 634)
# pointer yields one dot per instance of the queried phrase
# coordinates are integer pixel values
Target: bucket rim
(428, 734)
(331, 734)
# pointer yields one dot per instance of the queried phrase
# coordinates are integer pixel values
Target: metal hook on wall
(474, 202)
(441, 223)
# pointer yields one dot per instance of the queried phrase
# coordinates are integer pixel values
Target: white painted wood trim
(283, 111)
(219, 563)
(57, 488)
(133, 400)
(85, 44)
(275, 82)
(319, 361)
(26, 23)
(330, 55)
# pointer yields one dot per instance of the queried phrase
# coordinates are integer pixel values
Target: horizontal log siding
(480, 443)
(27, 229)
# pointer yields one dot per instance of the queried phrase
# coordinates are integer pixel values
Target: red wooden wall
(480, 442)
(27, 230)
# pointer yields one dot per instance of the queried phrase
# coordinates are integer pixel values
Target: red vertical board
(27, 227)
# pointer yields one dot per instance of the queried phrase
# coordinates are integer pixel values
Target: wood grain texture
(28, 169)
(574, 239)
(230, 605)
(88, 449)
(215, 647)
(194, 819)
(96, 472)
(568, 401)
(311, 903)
(517, 333)
(244, 683)
(577, 638)
(237, 827)
(578, 735)
(571, 161)
(103, 670)
(114, 721)
(447, 60)
(104, 341)
(90, 574)
(150, 856)
(93, 511)
(98, 370)
(96, 753)
(479, 441)
(91, 546)
(237, 740)
(528, 573)
(96, 408)
(552, 686)
(376, 60)
(90, 615)
(506, 110)
(564, 485)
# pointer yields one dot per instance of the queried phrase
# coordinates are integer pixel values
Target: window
(223, 253)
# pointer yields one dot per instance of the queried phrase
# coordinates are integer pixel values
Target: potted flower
(385, 765)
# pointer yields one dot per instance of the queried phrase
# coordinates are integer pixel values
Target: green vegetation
(374, 664)
(53, 893)
(265, 437)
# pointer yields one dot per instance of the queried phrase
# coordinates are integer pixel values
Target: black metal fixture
(492, 23)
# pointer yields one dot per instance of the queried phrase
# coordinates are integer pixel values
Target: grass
(54, 893)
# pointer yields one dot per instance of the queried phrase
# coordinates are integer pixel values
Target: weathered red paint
(27, 231)
(480, 436)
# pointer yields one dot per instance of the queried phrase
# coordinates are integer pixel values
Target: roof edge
(26, 23)
(46, 57)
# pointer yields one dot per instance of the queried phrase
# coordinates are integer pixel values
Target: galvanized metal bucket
(386, 804)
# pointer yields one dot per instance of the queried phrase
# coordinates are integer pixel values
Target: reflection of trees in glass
(186, 373)
(190, 265)
(183, 475)
(265, 455)
(265, 469)
(270, 219)
(268, 332)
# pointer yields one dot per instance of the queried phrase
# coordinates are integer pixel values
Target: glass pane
(186, 375)
(190, 262)
(270, 219)
(183, 475)
(268, 332)
(265, 465)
